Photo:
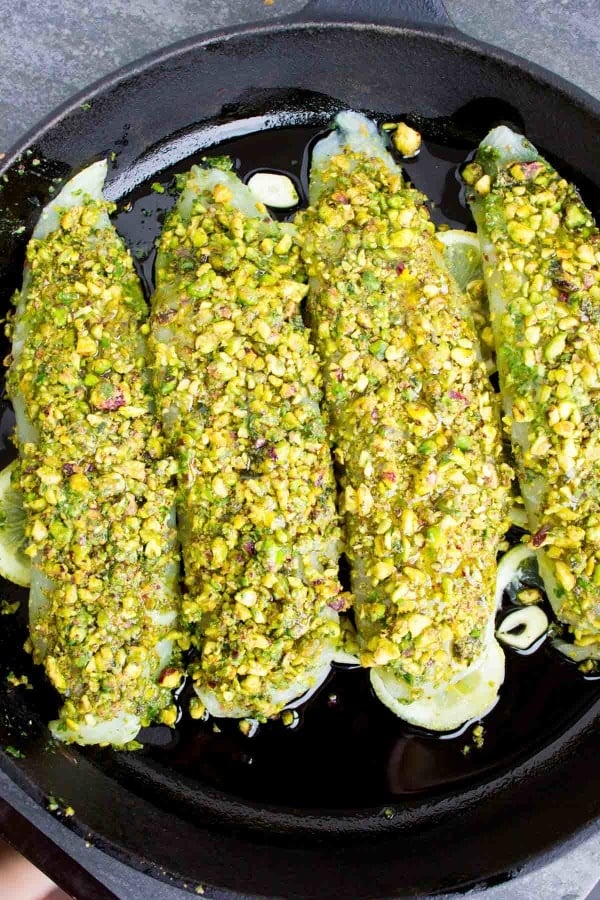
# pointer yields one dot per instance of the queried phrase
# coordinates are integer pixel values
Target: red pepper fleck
(250, 548)
(165, 674)
(540, 536)
(339, 197)
(531, 169)
(272, 453)
(457, 395)
(115, 402)
(166, 316)
(400, 268)
(338, 604)
(389, 476)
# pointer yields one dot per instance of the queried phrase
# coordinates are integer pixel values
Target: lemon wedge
(462, 255)
(449, 706)
(15, 565)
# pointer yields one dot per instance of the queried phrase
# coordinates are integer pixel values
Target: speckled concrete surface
(48, 51)
(563, 35)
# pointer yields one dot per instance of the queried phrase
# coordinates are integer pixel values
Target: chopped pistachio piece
(407, 140)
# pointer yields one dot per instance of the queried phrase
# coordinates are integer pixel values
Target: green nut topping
(413, 420)
(93, 474)
(256, 489)
(543, 272)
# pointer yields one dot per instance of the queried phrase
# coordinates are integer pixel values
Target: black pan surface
(351, 800)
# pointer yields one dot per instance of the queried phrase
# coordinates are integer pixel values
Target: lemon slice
(462, 255)
(118, 731)
(450, 706)
(14, 564)
(517, 569)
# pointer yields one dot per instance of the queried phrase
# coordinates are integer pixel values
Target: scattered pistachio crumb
(529, 596)
(407, 140)
(168, 716)
(247, 727)
(7, 608)
(14, 752)
(478, 735)
(17, 680)
(197, 708)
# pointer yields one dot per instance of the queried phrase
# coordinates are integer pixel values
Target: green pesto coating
(543, 274)
(239, 394)
(413, 421)
(93, 474)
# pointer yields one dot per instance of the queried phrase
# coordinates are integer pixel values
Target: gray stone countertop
(54, 49)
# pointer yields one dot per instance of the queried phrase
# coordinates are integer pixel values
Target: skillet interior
(192, 98)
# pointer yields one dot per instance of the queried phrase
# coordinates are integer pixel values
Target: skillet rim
(442, 33)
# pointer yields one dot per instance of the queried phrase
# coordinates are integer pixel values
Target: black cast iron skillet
(354, 804)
